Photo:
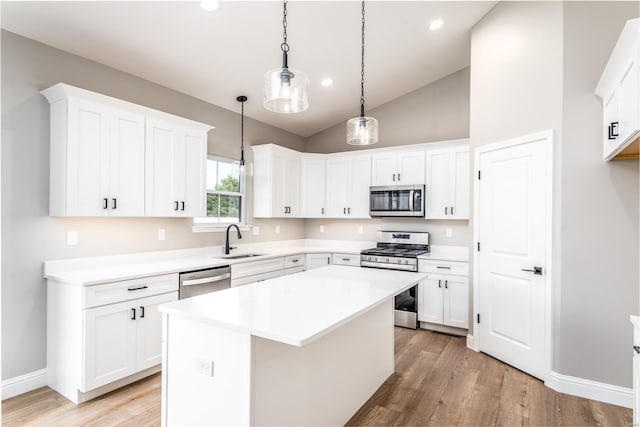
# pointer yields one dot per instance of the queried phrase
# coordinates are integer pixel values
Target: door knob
(536, 270)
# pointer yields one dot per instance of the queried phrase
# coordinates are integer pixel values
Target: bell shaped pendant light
(362, 130)
(285, 89)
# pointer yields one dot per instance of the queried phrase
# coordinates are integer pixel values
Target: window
(225, 192)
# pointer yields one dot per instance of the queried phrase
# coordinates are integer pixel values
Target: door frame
(545, 137)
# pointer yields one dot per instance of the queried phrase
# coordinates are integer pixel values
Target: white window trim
(202, 225)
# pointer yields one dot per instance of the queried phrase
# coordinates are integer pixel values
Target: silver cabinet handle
(446, 283)
(444, 268)
(176, 208)
(322, 211)
(346, 259)
(295, 260)
(451, 210)
(398, 177)
(138, 288)
(114, 204)
(206, 280)
(349, 211)
(106, 203)
(133, 314)
(446, 210)
(394, 176)
(439, 283)
(344, 211)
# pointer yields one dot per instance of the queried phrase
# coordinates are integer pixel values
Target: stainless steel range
(399, 250)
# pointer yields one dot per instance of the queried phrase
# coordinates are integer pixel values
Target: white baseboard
(616, 395)
(23, 383)
(471, 343)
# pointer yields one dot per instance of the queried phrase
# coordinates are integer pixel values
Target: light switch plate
(277, 229)
(256, 230)
(448, 231)
(162, 234)
(322, 228)
(72, 238)
(360, 229)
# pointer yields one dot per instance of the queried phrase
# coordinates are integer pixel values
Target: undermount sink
(241, 256)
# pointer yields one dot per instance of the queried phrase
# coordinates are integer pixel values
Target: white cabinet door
(192, 181)
(447, 183)
(317, 260)
(459, 180)
(312, 192)
(126, 164)
(438, 175)
(109, 344)
(359, 183)
(87, 159)
(338, 176)
(149, 329)
(456, 301)
(410, 170)
(629, 98)
(292, 184)
(175, 174)
(276, 182)
(383, 168)
(431, 291)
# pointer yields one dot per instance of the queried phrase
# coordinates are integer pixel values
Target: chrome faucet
(227, 248)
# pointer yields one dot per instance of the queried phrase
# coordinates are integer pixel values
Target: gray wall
(599, 210)
(30, 236)
(534, 66)
(436, 112)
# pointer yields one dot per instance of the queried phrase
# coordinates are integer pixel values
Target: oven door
(406, 308)
(405, 200)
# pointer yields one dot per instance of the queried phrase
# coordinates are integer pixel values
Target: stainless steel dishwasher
(200, 282)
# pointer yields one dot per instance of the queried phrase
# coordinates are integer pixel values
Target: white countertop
(96, 270)
(298, 308)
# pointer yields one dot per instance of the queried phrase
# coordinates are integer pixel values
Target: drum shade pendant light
(285, 89)
(362, 130)
(241, 99)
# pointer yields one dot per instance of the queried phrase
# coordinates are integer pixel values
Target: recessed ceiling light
(326, 82)
(436, 24)
(209, 5)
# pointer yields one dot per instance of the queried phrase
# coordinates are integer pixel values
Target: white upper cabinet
(447, 182)
(175, 170)
(313, 186)
(619, 89)
(397, 167)
(276, 182)
(100, 147)
(348, 181)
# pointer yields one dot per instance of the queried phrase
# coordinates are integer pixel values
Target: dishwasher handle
(209, 279)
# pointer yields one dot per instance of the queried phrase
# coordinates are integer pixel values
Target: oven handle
(411, 200)
(209, 279)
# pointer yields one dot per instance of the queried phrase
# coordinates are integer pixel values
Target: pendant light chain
(241, 99)
(285, 45)
(362, 68)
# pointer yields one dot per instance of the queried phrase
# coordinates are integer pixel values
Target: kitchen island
(305, 349)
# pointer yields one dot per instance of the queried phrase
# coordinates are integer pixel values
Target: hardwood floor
(438, 382)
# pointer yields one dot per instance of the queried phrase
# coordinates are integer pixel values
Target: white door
(360, 181)
(456, 301)
(313, 184)
(337, 187)
(149, 329)
(383, 168)
(411, 167)
(512, 201)
(430, 294)
(126, 164)
(109, 344)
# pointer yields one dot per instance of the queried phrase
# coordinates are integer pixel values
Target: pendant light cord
(362, 68)
(284, 46)
(241, 99)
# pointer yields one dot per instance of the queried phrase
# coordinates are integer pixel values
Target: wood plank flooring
(437, 382)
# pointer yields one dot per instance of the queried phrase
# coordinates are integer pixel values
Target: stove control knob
(387, 259)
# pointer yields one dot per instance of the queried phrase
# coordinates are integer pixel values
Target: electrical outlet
(277, 229)
(322, 228)
(72, 238)
(204, 366)
(162, 234)
(448, 232)
(360, 229)
(256, 230)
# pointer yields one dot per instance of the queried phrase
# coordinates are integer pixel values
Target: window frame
(206, 224)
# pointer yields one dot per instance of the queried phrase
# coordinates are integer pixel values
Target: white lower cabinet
(346, 259)
(317, 260)
(121, 339)
(256, 271)
(104, 336)
(443, 298)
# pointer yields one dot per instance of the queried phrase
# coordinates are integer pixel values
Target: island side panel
(191, 395)
(326, 381)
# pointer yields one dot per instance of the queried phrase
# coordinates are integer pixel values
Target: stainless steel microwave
(396, 200)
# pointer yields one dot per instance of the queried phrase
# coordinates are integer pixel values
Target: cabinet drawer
(443, 267)
(346, 259)
(293, 270)
(256, 278)
(294, 261)
(256, 267)
(125, 290)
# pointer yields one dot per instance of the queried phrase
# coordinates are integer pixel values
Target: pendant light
(285, 90)
(362, 130)
(242, 100)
